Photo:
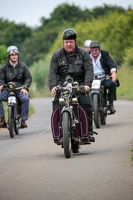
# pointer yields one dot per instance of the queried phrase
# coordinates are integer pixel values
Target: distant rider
(17, 72)
(87, 45)
(103, 64)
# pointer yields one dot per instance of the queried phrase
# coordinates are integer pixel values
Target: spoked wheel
(11, 121)
(96, 111)
(66, 134)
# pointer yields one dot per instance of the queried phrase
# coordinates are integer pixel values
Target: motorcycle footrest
(85, 140)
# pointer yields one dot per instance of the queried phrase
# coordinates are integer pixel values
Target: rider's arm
(88, 70)
(27, 78)
(2, 75)
(53, 70)
(109, 61)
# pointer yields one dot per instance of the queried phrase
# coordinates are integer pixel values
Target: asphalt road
(32, 167)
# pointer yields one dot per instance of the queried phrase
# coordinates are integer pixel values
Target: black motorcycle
(99, 99)
(14, 109)
(69, 121)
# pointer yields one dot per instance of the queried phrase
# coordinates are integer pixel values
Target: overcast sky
(31, 11)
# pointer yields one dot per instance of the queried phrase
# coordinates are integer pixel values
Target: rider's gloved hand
(87, 88)
(1, 87)
(53, 91)
(114, 77)
(24, 91)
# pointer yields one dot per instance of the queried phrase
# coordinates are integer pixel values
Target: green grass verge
(125, 91)
(132, 155)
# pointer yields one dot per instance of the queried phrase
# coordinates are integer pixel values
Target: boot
(111, 108)
(91, 137)
(23, 124)
(3, 123)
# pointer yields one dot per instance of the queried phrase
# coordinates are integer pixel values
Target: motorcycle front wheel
(11, 121)
(66, 134)
(96, 110)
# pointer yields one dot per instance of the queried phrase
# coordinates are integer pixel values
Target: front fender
(95, 92)
(66, 109)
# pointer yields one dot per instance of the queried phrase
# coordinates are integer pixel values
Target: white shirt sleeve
(113, 70)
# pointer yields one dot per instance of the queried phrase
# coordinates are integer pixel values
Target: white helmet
(87, 43)
(12, 50)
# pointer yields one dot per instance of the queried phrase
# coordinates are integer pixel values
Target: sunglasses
(96, 49)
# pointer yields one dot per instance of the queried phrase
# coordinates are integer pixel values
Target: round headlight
(66, 93)
(10, 85)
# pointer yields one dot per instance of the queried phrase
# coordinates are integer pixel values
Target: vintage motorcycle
(99, 99)
(14, 109)
(69, 121)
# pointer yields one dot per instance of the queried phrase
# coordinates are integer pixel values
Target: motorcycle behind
(69, 121)
(14, 109)
(99, 100)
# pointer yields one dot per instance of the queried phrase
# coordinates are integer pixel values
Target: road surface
(32, 167)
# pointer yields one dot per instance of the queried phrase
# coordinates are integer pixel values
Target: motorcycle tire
(66, 134)
(96, 110)
(11, 121)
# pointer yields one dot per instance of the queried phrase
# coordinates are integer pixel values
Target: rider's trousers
(111, 86)
(24, 99)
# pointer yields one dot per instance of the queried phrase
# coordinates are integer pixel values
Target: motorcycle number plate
(11, 100)
(96, 84)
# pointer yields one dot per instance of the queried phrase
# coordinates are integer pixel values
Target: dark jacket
(107, 62)
(78, 65)
(18, 74)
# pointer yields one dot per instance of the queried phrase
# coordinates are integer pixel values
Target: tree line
(35, 43)
(110, 25)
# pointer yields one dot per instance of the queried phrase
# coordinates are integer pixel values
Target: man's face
(13, 57)
(95, 52)
(87, 48)
(69, 45)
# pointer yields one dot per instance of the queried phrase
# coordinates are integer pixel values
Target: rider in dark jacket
(17, 72)
(74, 61)
(104, 64)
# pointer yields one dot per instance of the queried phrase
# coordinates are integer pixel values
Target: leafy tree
(3, 55)
(39, 71)
(106, 10)
(36, 47)
(12, 33)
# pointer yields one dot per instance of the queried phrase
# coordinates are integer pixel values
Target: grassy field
(125, 91)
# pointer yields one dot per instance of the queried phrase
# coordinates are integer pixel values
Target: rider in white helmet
(12, 50)
(87, 45)
(17, 72)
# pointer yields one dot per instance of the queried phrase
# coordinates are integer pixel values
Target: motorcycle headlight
(66, 93)
(10, 86)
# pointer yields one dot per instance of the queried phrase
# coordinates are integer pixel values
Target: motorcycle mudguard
(56, 123)
(81, 129)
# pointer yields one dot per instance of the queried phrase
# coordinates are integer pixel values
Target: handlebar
(77, 88)
(11, 86)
